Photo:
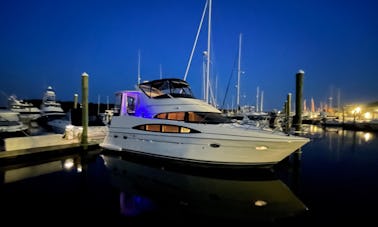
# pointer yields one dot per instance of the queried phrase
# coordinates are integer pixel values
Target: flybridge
(165, 88)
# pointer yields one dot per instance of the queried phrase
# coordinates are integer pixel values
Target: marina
(157, 154)
(329, 178)
(332, 180)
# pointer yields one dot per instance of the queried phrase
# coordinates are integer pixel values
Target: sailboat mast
(208, 54)
(338, 100)
(161, 72)
(312, 105)
(262, 101)
(238, 85)
(257, 98)
(204, 75)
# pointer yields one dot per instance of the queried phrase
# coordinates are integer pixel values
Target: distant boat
(52, 112)
(10, 123)
(106, 117)
(28, 112)
(162, 119)
(59, 125)
(50, 108)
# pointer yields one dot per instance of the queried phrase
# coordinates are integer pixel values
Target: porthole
(215, 145)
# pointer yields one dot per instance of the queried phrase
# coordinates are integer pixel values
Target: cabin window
(170, 128)
(140, 127)
(150, 91)
(162, 116)
(185, 130)
(178, 116)
(193, 117)
(130, 105)
(154, 128)
(165, 128)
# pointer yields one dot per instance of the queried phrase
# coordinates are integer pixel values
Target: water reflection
(338, 139)
(253, 195)
(23, 171)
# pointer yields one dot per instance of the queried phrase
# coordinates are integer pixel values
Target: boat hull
(226, 145)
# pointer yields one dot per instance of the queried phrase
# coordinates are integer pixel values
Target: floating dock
(50, 144)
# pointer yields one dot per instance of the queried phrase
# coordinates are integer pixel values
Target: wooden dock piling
(84, 116)
(288, 111)
(297, 120)
(75, 101)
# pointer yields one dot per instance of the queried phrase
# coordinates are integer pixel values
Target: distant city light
(368, 116)
(357, 110)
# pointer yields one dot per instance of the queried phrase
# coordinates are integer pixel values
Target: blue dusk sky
(52, 42)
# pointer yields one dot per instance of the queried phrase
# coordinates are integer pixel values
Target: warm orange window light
(194, 117)
(162, 116)
(154, 128)
(179, 116)
(170, 128)
(184, 130)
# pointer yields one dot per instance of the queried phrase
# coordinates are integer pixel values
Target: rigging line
(229, 80)
(195, 42)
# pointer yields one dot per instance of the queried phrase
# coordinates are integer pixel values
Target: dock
(21, 148)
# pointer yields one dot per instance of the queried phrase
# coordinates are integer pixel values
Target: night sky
(52, 42)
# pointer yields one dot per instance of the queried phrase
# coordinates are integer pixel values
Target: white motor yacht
(28, 112)
(50, 108)
(10, 122)
(162, 119)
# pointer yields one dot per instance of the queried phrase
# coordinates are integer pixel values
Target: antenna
(161, 72)
(138, 66)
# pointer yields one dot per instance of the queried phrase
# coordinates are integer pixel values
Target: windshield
(166, 88)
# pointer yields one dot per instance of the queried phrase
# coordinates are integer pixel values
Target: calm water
(333, 180)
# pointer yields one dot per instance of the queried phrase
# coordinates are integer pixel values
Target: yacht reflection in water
(154, 191)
